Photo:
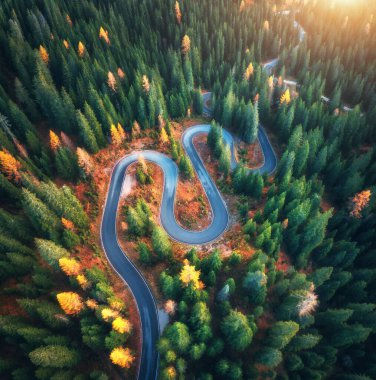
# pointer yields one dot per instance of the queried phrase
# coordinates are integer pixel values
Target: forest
(280, 100)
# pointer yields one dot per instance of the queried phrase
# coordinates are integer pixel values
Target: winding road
(123, 265)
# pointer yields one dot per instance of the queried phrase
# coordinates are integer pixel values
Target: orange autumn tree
(54, 141)
(111, 81)
(9, 165)
(122, 357)
(81, 49)
(185, 45)
(91, 304)
(70, 267)
(67, 224)
(104, 35)
(66, 44)
(44, 54)
(177, 12)
(120, 73)
(70, 302)
(359, 202)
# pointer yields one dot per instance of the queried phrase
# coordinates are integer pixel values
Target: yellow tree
(266, 25)
(145, 84)
(189, 275)
(163, 138)
(286, 98)
(109, 314)
(122, 325)
(44, 54)
(170, 373)
(121, 132)
(177, 12)
(54, 141)
(81, 49)
(271, 82)
(70, 267)
(104, 35)
(115, 136)
(122, 357)
(111, 81)
(242, 6)
(248, 71)
(66, 44)
(9, 165)
(185, 45)
(359, 202)
(70, 302)
(83, 281)
(117, 304)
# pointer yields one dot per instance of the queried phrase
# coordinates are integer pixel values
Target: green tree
(161, 243)
(55, 356)
(236, 330)
(86, 133)
(281, 333)
(178, 334)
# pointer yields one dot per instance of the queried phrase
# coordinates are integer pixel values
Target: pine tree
(185, 45)
(95, 126)
(86, 133)
(81, 49)
(70, 302)
(51, 252)
(177, 12)
(10, 166)
(281, 333)
(44, 54)
(41, 217)
(186, 167)
(269, 357)
(236, 330)
(160, 242)
(178, 334)
(54, 356)
(225, 161)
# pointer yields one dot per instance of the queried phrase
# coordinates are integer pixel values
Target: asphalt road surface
(123, 265)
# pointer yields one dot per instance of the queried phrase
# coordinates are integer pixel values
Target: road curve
(123, 265)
